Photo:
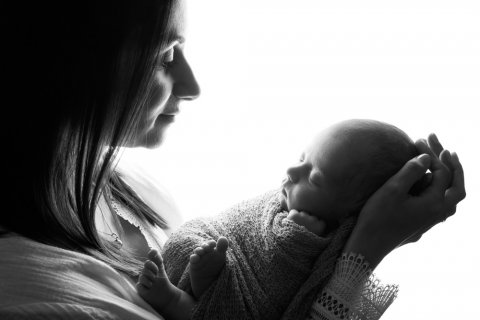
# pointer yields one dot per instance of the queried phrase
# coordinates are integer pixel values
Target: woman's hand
(393, 216)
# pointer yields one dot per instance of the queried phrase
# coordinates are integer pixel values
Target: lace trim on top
(147, 231)
(353, 293)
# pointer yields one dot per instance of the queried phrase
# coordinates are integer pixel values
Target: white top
(45, 282)
(153, 194)
(42, 282)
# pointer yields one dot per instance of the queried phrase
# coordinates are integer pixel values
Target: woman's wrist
(366, 242)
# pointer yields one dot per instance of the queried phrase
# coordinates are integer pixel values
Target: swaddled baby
(279, 241)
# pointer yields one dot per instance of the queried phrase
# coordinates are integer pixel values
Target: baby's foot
(153, 283)
(206, 262)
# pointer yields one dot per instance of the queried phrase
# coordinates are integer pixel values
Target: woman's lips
(166, 118)
(170, 113)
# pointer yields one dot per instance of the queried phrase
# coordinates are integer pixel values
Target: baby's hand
(312, 223)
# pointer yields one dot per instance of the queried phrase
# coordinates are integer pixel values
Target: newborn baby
(341, 168)
(277, 241)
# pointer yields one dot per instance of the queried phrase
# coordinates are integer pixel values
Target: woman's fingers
(423, 147)
(446, 158)
(434, 144)
(441, 175)
(456, 192)
(413, 171)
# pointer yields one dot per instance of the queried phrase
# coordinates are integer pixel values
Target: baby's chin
(332, 224)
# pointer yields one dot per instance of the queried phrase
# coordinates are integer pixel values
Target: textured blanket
(38, 281)
(274, 269)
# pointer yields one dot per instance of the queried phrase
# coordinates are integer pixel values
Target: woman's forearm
(366, 243)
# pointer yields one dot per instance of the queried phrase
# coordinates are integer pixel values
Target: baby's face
(317, 182)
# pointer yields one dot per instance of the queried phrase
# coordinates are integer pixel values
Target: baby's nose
(292, 174)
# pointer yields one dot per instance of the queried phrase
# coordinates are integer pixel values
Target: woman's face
(174, 82)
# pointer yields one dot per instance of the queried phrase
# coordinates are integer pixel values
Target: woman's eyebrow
(173, 41)
(175, 38)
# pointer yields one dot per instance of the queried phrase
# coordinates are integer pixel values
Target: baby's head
(343, 166)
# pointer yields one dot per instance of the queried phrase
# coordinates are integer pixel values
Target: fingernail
(454, 155)
(424, 159)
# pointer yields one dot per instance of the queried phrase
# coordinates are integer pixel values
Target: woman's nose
(186, 86)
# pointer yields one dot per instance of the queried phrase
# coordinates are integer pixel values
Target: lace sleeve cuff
(353, 293)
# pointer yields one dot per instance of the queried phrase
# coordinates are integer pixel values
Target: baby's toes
(199, 251)
(150, 269)
(142, 289)
(222, 245)
(158, 261)
(154, 256)
(194, 258)
(145, 281)
(209, 245)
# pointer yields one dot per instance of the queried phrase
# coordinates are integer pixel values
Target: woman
(84, 78)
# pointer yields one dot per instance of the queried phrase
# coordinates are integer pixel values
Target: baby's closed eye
(315, 178)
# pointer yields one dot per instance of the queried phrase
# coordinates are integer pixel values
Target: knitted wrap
(274, 268)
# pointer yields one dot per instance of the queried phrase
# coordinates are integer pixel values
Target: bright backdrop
(274, 72)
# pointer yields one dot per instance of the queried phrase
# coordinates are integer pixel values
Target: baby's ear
(421, 184)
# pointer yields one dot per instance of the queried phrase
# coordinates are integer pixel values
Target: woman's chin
(151, 140)
(154, 141)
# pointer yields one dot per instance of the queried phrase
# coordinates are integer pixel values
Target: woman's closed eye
(167, 59)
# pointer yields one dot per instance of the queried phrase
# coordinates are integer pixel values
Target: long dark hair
(75, 77)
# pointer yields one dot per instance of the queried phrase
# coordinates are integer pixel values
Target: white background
(274, 72)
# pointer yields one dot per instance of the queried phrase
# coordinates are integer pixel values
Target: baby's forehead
(358, 135)
(346, 136)
(343, 147)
